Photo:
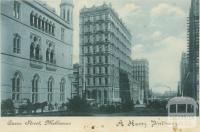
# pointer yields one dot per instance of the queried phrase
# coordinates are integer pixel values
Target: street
(135, 112)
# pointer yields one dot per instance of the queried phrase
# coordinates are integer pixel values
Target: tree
(127, 105)
(7, 107)
(77, 104)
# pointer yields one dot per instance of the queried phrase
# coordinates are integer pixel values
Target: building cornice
(54, 16)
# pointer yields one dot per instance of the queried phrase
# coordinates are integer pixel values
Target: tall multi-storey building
(36, 51)
(105, 50)
(141, 74)
(183, 73)
(135, 91)
(192, 88)
(75, 82)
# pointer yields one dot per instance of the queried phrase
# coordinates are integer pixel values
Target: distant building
(135, 91)
(183, 73)
(169, 94)
(75, 81)
(141, 74)
(36, 51)
(192, 88)
(105, 55)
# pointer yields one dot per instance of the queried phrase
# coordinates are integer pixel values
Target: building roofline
(56, 17)
(108, 7)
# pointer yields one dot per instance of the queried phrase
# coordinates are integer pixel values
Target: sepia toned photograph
(99, 58)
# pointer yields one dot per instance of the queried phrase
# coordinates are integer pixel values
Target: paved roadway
(135, 112)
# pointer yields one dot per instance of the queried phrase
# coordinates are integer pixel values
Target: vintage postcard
(99, 65)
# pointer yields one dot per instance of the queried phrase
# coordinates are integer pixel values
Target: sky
(159, 34)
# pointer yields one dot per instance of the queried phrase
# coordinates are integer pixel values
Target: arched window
(62, 90)
(16, 44)
(46, 26)
(53, 29)
(40, 22)
(50, 26)
(35, 85)
(32, 50)
(43, 24)
(36, 20)
(50, 89)
(32, 19)
(68, 16)
(37, 52)
(16, 86)
(52, 56)
(47, 55)
(64, 14)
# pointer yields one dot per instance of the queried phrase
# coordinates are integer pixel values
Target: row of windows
(95, 27)
(94, 18)
(35, 49)
(91, 39)
(42, 23)
(100, 37)
(95, 49)
(17, 88)
(111, 26)
(97, 70)
(97, 94)
(97, 59)
(97, 81)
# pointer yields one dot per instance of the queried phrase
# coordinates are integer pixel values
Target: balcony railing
(51, 66)
(36, 63)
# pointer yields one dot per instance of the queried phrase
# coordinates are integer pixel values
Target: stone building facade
(105, 50)
(183, 73)
(135, 91)
(141, 74)
(192, 88)
(36, 51)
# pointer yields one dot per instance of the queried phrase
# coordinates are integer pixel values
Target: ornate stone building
(105, 50)
(36, 51)
(183, 74)
(141, 74)
(192, 86)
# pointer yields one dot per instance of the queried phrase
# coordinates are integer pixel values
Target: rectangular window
(88, 80)
(88, 60)
(17, 9)
(173, 108)
(94, 60)
(106, 81)
(106, 70)
(94, 71)
(62, 34)
(99, 70)
(94, 81)
(88, 70)
(99, 81)
(106, 59)
(100, 60)
(181, 108)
